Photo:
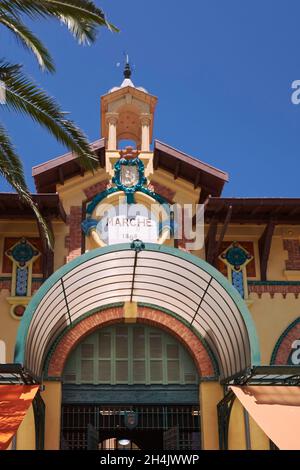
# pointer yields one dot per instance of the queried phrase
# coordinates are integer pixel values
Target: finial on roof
(127, 74)
(127, 69)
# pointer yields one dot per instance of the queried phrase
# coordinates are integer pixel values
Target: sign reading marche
(122, 229)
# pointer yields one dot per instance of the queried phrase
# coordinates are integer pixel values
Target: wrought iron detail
(39, 411)
(224, 408)
(152, 420)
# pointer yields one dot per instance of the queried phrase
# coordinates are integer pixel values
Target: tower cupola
(127, 113)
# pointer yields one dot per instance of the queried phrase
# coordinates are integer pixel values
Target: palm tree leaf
(29, 40)
(7, 69)
(8, 152)
(12, 170)
(24, 96)
(82, 17)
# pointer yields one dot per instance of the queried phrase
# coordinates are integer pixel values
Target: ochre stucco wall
(26, 432)
(270, 315)
(210, 394)
(271, 318)
(52, 399)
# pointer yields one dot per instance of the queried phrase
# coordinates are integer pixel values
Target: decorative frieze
(274, 287)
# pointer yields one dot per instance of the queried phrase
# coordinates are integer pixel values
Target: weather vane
(127, 68)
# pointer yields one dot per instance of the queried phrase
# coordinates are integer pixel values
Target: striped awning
(164, 277)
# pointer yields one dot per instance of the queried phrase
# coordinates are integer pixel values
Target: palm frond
(24, 96)
(12, 170)
(7, 69)
(29, 40)
(82, 17)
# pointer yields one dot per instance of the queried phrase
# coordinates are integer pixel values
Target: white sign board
(124, 229)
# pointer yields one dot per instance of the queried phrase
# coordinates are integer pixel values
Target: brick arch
(283, 346)
(146, 315)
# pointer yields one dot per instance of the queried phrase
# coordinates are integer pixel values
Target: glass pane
(87, 371)
(71, 362)
(156, 371)
(105, 344)
(121, 342)
(172, 351)
(155, 345)
(121, 371)
(173, 371)
(138, 343)
(87, 350)
(139, 372)
(104, 371)
(121, 330)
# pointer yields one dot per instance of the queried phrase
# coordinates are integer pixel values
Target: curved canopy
(158, 275)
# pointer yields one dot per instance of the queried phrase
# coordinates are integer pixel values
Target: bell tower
(127, 113)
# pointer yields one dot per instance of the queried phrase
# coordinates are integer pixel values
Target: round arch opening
(130, 354)
(180, 283)
(130, 382)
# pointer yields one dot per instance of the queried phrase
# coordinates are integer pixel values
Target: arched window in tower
(127, 114)
(123, 143)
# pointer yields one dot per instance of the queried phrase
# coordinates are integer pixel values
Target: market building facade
(128, 335)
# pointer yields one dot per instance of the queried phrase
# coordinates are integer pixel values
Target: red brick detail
(189, 340)
(145, 315)
(163, 191)
(67, 242)
(274, 289)
(293, 249)
(95, 189)
(78, 333)
(73, 240)
(5, 284)
(285, 347)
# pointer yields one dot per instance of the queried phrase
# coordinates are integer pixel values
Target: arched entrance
(151, 284)
(130, 382)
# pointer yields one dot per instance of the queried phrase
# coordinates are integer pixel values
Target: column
(237, 431)
(112, 120)
(210, 395)
(52, 399)
(145, 124)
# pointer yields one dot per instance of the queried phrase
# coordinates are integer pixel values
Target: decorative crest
(129, 173)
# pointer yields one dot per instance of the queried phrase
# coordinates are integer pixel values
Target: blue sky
(222, 71)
